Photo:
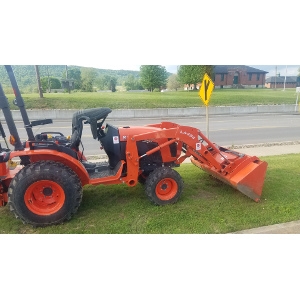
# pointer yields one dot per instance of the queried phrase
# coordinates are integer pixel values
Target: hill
(26, 76)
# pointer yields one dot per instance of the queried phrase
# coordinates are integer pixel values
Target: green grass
(127, 100)
(206, 206)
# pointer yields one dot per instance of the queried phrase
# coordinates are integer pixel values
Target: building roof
(280, 79)
(225, 69)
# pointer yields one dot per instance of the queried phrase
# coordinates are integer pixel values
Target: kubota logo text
(188, 134)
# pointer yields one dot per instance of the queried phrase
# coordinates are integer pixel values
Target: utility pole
(49, 84)
(285, 78)
(275, 76)
(67, 80)
(39, 81)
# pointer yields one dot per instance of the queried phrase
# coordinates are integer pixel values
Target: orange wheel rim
(166, 189)
(44, 197)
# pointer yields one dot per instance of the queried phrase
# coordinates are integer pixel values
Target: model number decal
(188, 134)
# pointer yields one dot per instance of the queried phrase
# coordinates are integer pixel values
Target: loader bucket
(250, 180)
(247, 175)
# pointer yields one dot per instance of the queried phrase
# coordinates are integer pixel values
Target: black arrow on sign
(206, 85)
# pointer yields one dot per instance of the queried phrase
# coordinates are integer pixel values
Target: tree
(102, 82)
(209, 70)
(75, 74)
(113, 83)
(88, 76)
(173, 82)
(39, 81)
(106, 82)
(193, 74)
(190, 74)
(153, 76)
(132, 83)
(54, 83)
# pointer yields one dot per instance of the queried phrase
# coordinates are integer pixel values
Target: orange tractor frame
(46, 187)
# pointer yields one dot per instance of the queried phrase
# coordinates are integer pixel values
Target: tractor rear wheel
(45, 193)
(164, 186)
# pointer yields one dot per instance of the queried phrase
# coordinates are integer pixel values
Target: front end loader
(46, 186)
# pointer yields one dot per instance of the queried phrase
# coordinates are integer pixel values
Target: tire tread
(34, 170)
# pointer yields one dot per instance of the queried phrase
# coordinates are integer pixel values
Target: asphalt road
(225, 130)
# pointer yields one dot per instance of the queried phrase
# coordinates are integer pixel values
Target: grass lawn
(207, 206)
(132, 100)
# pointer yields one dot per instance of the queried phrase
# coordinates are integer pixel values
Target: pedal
(89, 166)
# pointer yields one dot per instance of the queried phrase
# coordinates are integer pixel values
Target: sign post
(297, 92)
(205, 91)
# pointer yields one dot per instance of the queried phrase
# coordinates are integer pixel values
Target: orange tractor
(46, 186)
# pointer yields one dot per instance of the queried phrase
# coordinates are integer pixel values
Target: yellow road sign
(206, 89)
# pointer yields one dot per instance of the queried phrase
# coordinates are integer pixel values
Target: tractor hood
(135, 130)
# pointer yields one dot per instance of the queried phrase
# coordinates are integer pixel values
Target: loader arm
(243, 172)
(195, 143)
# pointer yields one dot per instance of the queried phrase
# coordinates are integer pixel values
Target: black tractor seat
(88, 116)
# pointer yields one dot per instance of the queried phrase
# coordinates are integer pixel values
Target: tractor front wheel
(45, 193)
(164, 186)
(143, 177)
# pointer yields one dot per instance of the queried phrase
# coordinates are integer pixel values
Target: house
(238, 77)
(230, 76)
(282, 81)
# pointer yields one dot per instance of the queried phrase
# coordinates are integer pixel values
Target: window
(222, 77)
(249, 76)
(257, 76)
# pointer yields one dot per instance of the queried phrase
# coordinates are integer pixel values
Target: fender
(46, 154)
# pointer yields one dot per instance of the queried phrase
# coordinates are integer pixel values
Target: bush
(7, 90)
(54, 83)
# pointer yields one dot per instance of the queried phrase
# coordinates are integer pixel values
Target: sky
(115, 37)
(283, 70)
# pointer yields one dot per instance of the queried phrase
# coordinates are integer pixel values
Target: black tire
(45, 193)
(143, 177)
(164, 186)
